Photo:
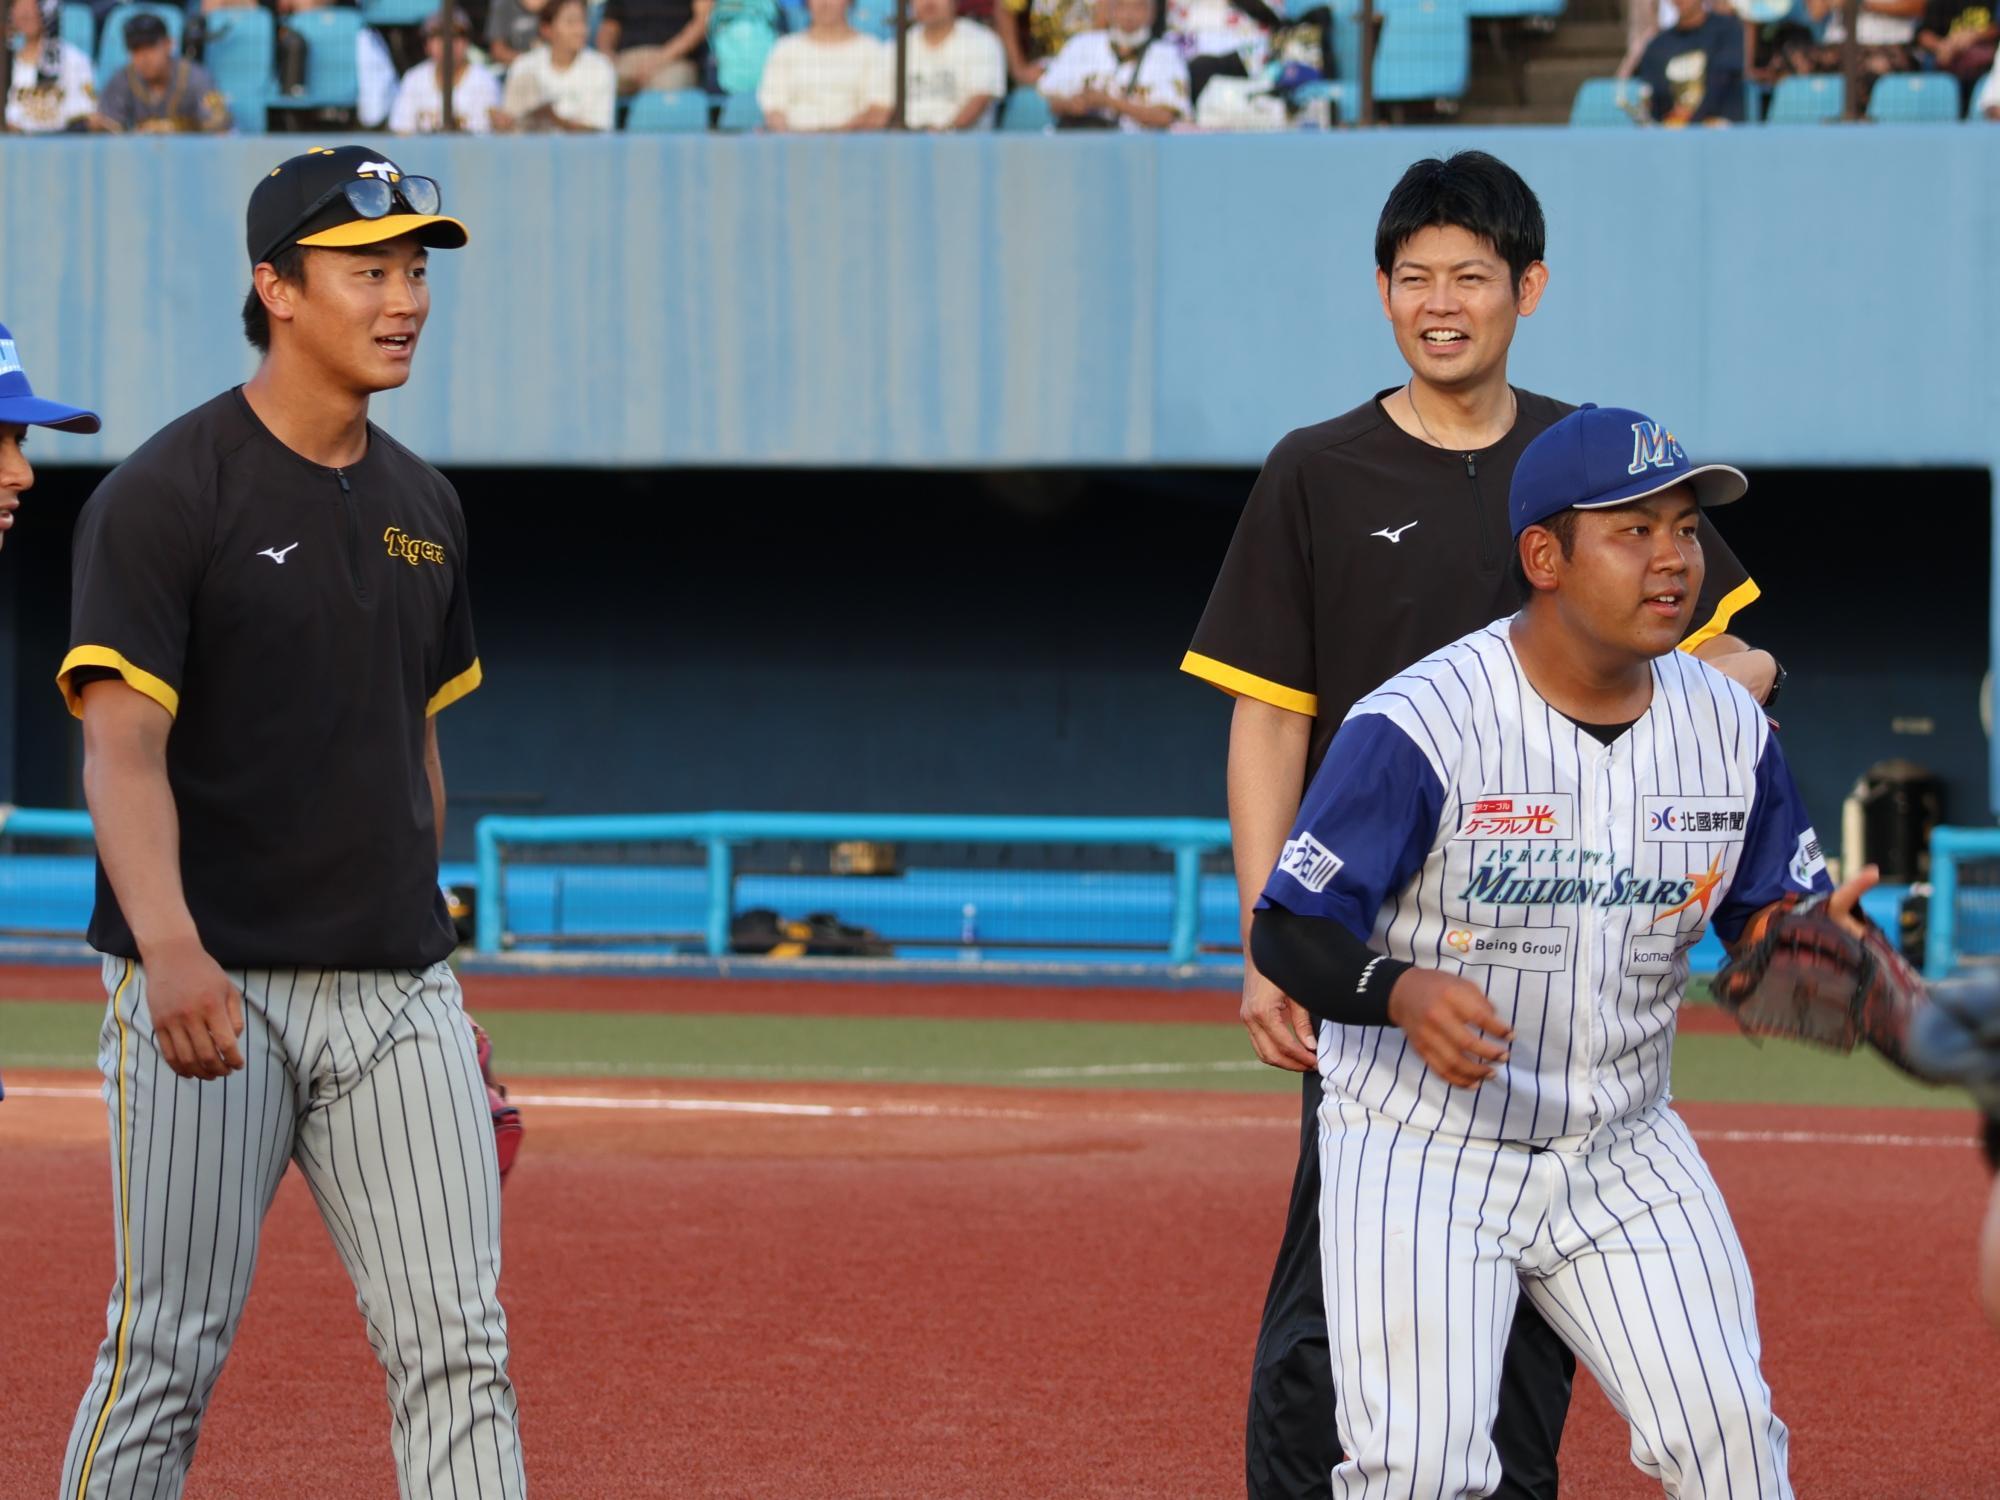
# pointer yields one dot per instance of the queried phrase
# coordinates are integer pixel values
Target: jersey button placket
(1590, 835)
(353, 513)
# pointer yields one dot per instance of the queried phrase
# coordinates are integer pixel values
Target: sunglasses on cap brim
(370, 198)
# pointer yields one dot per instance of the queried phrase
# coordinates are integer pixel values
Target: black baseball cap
(144, 30)
(301, 202)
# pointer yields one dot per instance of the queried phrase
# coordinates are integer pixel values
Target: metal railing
(720, 834)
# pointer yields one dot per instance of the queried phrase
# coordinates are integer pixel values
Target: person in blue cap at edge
(20, 409)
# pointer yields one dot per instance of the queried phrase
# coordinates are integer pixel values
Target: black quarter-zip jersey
(1363, 549)
(301, 624)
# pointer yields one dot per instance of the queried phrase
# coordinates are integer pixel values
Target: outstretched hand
(1846, 897)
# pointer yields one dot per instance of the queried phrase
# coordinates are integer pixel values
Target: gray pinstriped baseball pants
(369, 1081)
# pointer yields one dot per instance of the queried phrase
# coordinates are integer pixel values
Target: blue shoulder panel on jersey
(1369, 819)
(1781, 853)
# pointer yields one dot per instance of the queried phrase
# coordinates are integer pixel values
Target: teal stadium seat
(876, 18)
(1026, 109)
(1914, 99)
(397, 12)
(111, 38)
(679, 112)
(1337, 93)
(740, 112)
(238, 53)
(1425, 52)
(1514, 10)
(1807, 101)
(1611, 101)
(78, 26)
(331, 36)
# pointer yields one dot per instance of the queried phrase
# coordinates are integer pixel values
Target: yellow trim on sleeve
(1742, 596)
(122, 1347)
(137, 678)
(1240, 684)
(456, 689)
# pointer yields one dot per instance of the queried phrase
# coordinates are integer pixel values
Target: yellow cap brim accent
(436, 231)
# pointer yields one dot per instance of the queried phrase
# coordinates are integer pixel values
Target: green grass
(1035, 1054)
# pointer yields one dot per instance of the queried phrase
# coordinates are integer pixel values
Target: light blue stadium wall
(1797, 296)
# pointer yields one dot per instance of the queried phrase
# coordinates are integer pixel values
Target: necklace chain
(1410, 395)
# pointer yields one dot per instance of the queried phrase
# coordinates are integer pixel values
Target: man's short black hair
(1562, 525)
(290, 264)
(1472, 191)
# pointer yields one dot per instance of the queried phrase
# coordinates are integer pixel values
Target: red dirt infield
(964, 1293)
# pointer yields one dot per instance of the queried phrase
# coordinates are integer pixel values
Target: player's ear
(274, 292)
(1382, 291)
(1528, 295)
(1539, 550)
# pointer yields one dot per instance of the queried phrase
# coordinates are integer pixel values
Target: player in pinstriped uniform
(1488, 901)
(270, 610)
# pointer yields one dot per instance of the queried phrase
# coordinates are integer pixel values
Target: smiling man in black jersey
(1368, 542)
(270, 610)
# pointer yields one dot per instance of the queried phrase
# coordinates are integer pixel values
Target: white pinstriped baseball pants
(1623, 1244)
(369, 1081)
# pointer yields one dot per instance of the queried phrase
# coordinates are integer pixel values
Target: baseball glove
(507, 1126)
(1799, 973)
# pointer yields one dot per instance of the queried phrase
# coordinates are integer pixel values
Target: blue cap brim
(33, 411)
(1714, 484)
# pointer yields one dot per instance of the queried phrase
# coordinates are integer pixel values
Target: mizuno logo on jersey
(1522, 815)
(1693, 820)
(1309, 862)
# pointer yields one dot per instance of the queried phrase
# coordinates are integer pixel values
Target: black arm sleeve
(1324, 967)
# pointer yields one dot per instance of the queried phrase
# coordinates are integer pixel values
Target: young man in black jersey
(270, 609)
(1368, 542)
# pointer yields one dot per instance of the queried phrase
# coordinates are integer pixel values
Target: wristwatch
(1777, 684)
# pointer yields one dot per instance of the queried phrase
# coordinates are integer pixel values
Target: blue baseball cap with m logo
(1601, 456)
(20, 406)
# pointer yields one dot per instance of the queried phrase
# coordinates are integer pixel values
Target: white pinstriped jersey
(1461, 823)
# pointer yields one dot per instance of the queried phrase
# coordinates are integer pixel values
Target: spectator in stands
(563, 85)
(1695, 67)
(658, 44)
(1123, 77)
(375, 79)
(1243, 38)
(1034, 31)
(514, 28)
(475, 95)
(51, 85)
(1960, 37)
(1884, 33)
(828, 77)
(156, 93)
(954, 69)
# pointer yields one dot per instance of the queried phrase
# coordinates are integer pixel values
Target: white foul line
(893, 1111)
